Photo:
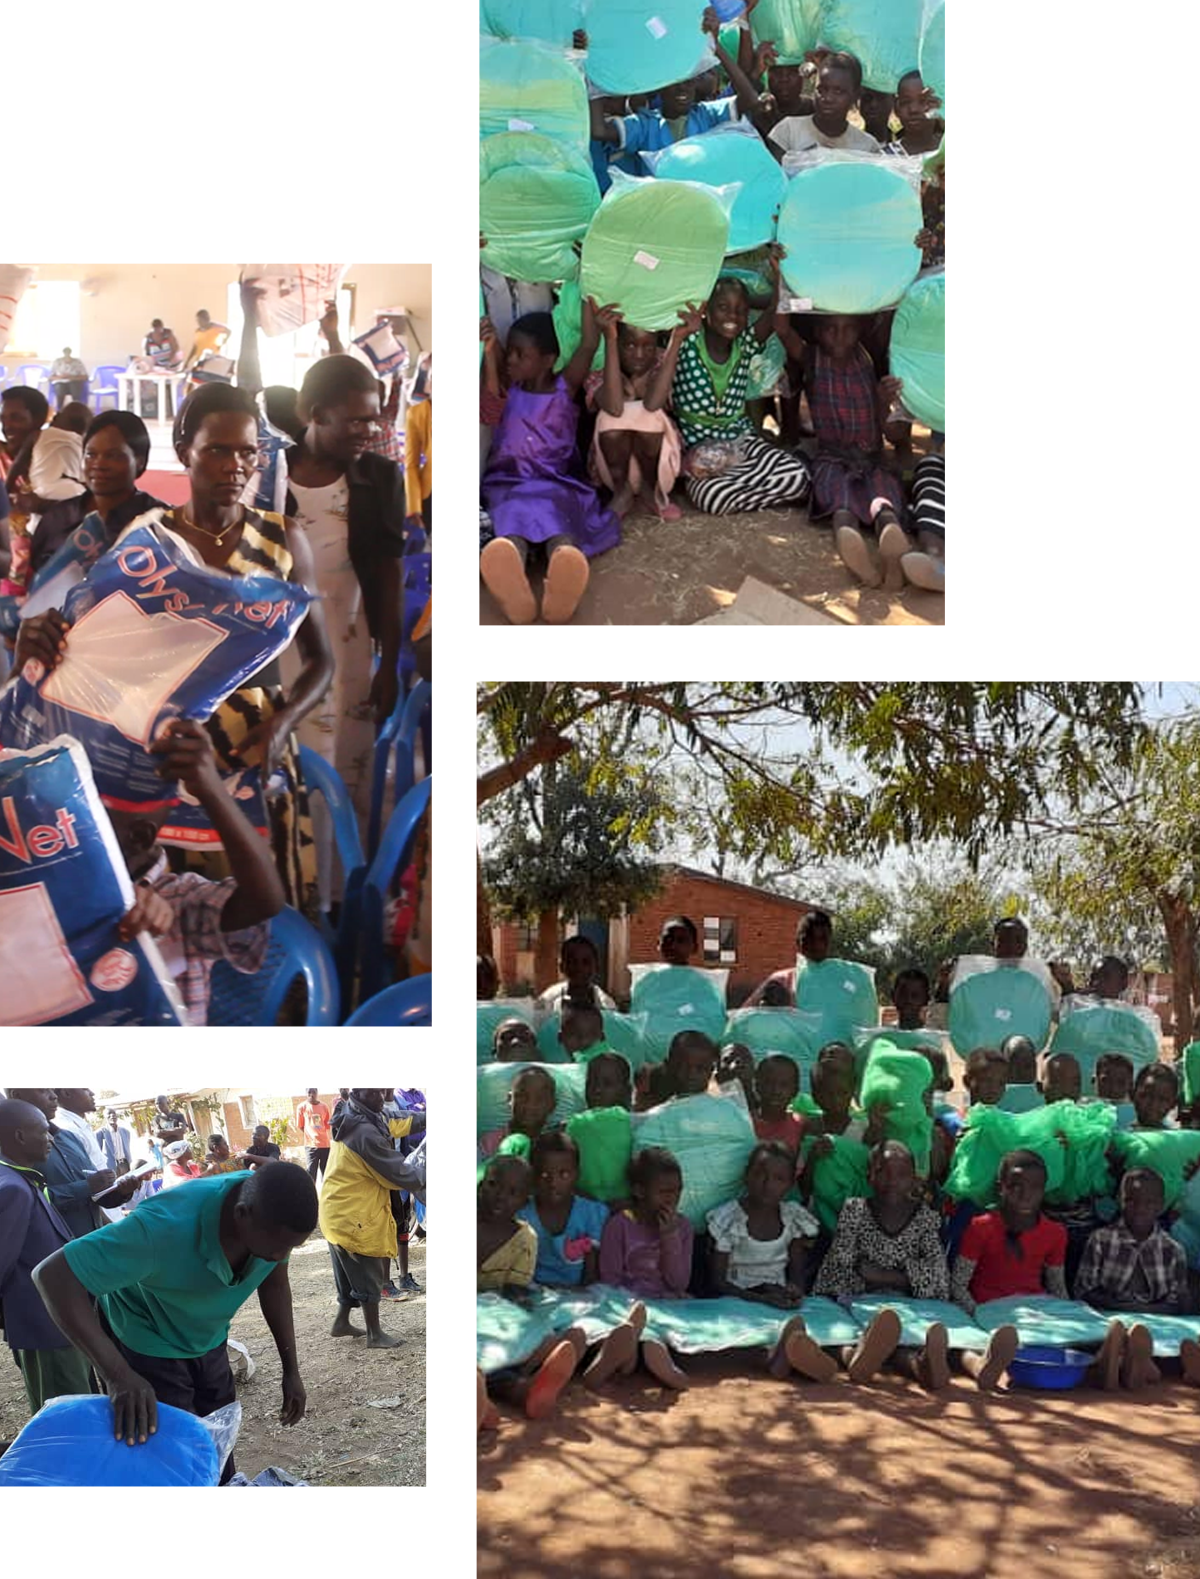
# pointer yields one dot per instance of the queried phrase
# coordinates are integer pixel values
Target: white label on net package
(656, 27)
(646, 259)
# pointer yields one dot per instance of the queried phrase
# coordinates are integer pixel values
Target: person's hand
(418, 1123)
(776, 252)
(929, 99)
(890, 390)
(822, 1146)
(295, 1399)
(42, 637)
(186, 749)
(329, 319)
(579, 40)
(607, 318)
(122, 1191)
(877, 1115)
(101, 1182)
(814, 59)
(491, 340)
(664, 1221)
(927, 241)
(384, 693)
(765, 56)
(151, 913)
(250, 294)
(264, 745)
(794, 1293)
(135, 1409)
(710, 23)
(1062, 974)
(691, 319)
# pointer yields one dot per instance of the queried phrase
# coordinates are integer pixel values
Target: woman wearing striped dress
(705, 371)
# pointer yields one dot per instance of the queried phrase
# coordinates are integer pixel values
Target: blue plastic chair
(398, 735)
(323, 779)
(42, 381)
(393, 851)
(405, 1003)
(296, 952)
(103, 386)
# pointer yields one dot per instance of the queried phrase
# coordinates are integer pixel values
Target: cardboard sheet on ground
(711, 1138)
(730, 155)
(536, 199)
(494, 1081)
(529, 87)
(918, 1315)
(506, 1334)
(639, 46)
(549, 21)
(490, 1014)
(918, 349)
(993, 999)
(885, 35)
(793, 26)
(711, 1326)
(64, 887)
(1045, 1320)
(293, 294)
(652, 247)
(849, 230)
(1088, 1028)
(842, 992)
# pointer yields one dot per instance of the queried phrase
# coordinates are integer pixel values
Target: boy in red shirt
(312, 1120)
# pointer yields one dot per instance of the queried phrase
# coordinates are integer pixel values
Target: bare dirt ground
(751, 1478)
(342, 1440)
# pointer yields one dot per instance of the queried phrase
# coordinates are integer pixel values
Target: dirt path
(341, 1441)
(752, 1479)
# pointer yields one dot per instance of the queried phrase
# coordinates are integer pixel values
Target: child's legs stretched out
(503, 564)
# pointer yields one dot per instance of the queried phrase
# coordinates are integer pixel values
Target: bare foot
(933, 1362)
(662, 508)
(622, 501)
(876, 1345)
(778, 1363)
(1138, 1369)
(1106, 1370)
(997, 1357)
(381, 1340)
(503, 572)
(617, 1355)
(487, 1416)
(637, 1320)
(555, 1371)
(807, 1358)
(893, 542)
(343, 1327)
(566, 581)
(856, 556)
(1189, 1360)
(662, 1367)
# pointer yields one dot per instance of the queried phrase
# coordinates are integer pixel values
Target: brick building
(750, 930)
(231, 1112)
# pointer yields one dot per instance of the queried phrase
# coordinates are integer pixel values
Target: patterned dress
(847, 474)
(916, 1250)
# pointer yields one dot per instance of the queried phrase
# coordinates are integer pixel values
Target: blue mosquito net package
(536, 199)
(639, 46)
(153, 637)
(849, 227)
(991, 1000)
(677, 998)
(841, 992)
(64, 887)
(189, 827)
(1094, 1026)
(885, 35)
(493, 1082)
(529, 87)
(793, 26)
(711, 1138)
(918, 349)
(70, 1442)
(932, 57)
(792, 1032)
(550, 21)
(727, 156)
(623, 1033)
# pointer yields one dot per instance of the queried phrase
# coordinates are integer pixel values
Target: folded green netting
(899, 1079)
(726, 156)
(604, 1136)
(511, 1146)
(550, 21)
(806, 1105)
(918, 1315)
(918, 349)
(568, 323)
(792, 1032)
(841, 992)
(913, 1041)
(885, 35)
(1021, 1099)
(990, 1001)
(676, 998)
(595, 1310)
(489, 1015)
(1041, 1319)
(711, 1138)
(1088, 1129)
(849, 230)
(837, 1177)
(506, 1334)
(1105, 1027)
(494, 1081)
(931, 57)
(1170, 1152)
(529, 87)
(1186, 1227)
(1071, 1139)
(536, 199)
(1189, 1073)
(639, 46)
(709, 1326)
(793, 26)
(652, 247)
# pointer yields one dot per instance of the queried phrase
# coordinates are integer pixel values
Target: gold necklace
(217, 537)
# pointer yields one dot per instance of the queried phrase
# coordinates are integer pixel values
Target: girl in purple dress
(534, 487)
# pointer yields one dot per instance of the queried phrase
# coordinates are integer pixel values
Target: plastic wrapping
(792, 1032)
(605, 1139)
(549, 21)
(712, 457)
(490, 1014)
(154, 637)
(1189, 1074)
(506, 1334)
(991, 999)
(729, 155)
(918, 1315)
(918, 349)
(842, 992)
(1042, 1319)
(568, 323)
(653, 246)
(711, 1138)
(1091, 1027)
(899, 1079)
(64, 887)
(529, 87)
(677, 998)
(712, 1326)
(1169, 1152)
(767, 367)
(639, 46)
(837, 1177)
(494, 1081)
(885, 35)
(931, 57)
(381, 349)
(536, 199)
(911, 1041)
(793, 26)
(1075, 1170)
(293, 294)
(70, 1442)
(849, 228)
(623, 1033)
(189, 827)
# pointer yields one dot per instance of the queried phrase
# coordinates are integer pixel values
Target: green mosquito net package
(492, 1013)
(932, 57)
(848, 226)
(550, 21)
(493, 1082)
(837, 1177)
(1086, 1132)
(712, 1138)
(793, 26)
(604, 1136)
(792, 1032)
(639, 46)
(1189, 1073)
(1071, 1140)
(841, 992)
(529, 87)
(885, 35)
(654, 246)
(726, 156)
(1169, 1152)
(568, 322)
(991, 1000)
(536, 199)
(910, 1041)
(918, 349)
(1097, 1026)
(899, 1079)
(677, 998)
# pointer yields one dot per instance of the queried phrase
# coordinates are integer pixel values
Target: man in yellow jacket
(356, 1210)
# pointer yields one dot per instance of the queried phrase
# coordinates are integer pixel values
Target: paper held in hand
(140, 1172)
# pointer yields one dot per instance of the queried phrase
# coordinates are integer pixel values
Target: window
(720, 940)
(47, 319)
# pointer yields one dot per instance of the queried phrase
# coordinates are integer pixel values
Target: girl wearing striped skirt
(925, 567)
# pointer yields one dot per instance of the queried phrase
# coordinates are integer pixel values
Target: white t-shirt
(552, 999)
(753, 1261)
(798, 132)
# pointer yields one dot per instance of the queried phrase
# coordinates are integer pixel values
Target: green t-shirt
(163, 1281)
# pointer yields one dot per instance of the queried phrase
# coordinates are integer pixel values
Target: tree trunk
(1181, 928)
(483, 912)
(545, 969)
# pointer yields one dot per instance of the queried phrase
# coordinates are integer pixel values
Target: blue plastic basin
(1048, 1366)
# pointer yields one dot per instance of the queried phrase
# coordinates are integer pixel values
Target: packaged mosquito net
(653, 246)
(639, 46)
(1089, 1027)
(991, 999)
(70, 1442)
(568, 323)
(536, 199)
(293, 294)
(550, 21)
(490, 1014)
(931, 58)
(64, 887)
(677, 998)
(918, 349)
(604, 1136)
(529, 87)
(793, 26)
(837, 1176)
(189, 827)
(493, 1082)
(711, 1137)
(1071, 1140)
(849, 227)
(623, 1033)
(792, 1032)
(884, 35)
(730, 155)
(1171, 1153)
(381, 349)
(841, 992)
(910, 1041)
(899, 1080)
(154, 636)
(1189, 1073)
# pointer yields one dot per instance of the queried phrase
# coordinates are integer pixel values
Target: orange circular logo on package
(114, 970)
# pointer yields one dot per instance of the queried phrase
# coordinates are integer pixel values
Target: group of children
(634, 412)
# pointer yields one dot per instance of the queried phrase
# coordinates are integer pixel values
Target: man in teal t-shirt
(169, 1280)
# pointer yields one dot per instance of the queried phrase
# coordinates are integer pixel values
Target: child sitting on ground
(532, 1098)
(776, 1087)
(635, 452)
(1021, 1093)
(533, 487)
